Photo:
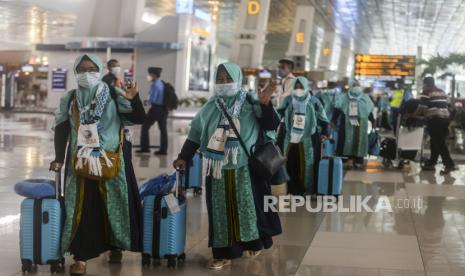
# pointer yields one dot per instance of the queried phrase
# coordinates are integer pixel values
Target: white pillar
(418, 71)
(299, 44)
(250, 36)
(326, 51)
(344, 62)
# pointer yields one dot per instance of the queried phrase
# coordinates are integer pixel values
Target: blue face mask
(282, 72)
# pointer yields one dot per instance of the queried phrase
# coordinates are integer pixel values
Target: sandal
(253, 254)
(218, 264)
(78, 268)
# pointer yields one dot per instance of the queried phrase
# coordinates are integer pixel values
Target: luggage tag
(172, 203)
(353, 112)
(88, 136)
(353, 108)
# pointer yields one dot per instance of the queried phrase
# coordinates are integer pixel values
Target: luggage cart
(408, 142)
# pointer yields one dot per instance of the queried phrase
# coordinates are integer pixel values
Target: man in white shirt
(283, 90)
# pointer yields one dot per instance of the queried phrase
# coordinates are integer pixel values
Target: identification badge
(172, 203)
(218, 139)
(353, 108)
(88, 136)
(299, 121)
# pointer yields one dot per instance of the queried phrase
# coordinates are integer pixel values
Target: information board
(59, 76)
(380, 66)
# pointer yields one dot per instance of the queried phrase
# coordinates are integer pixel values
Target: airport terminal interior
(352, 113)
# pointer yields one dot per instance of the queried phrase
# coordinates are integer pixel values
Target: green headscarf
(208, 118)
(86, 95)
(301, 80)
(233, 70)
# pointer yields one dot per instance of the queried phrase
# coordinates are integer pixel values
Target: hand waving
(131, 90)
(265, 95)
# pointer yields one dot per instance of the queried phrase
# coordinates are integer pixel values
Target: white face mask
(88, 79)
(115, 70)
(149, 78)
(299, 92)
(226, 90)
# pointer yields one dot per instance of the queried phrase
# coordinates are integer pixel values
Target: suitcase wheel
(182, 258)
(172, 262)
(26, 265)
(197, 191)
(145, 260)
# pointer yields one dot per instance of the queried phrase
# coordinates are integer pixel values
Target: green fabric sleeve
(124, 106)
(195, 132)
(61, 113)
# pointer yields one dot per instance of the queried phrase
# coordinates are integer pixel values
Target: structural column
(326, 51)
(250, 36)
(344, 58)
(299, 44)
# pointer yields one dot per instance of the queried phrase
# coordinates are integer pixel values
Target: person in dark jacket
(434, 106)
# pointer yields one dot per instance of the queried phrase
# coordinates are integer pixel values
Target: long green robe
(115, 190)
(310, 129)
(356, 137)
(230, 203)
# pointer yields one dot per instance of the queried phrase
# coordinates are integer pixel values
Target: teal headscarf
(209, 117)
(86, 95)
(233, 70)
(301, 80)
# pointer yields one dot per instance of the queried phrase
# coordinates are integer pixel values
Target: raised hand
(265, 95)
(131, 90)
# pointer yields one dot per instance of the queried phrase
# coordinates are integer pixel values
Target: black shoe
(143, 151)
(428, 167)
(160, 153)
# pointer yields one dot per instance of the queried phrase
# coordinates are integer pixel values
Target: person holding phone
(130, 91)
(234, 227)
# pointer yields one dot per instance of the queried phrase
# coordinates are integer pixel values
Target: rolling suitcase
(40, 231)
(164, 231)
(193, 175)
(330, 173)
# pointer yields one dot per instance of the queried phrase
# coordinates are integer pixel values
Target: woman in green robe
(300, 124)
(97, 212)
(233, 216)
(352, 112)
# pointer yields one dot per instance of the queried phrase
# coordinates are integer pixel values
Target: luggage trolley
(405, 146)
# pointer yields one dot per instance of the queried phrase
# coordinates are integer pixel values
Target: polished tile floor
(428, 239)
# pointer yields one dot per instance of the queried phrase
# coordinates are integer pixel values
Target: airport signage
(59, 76)
(253, 7)
(384, 65)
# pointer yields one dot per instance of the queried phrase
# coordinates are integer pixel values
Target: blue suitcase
(164, 233)
(330, 176)
(193, 176)
(40, 232)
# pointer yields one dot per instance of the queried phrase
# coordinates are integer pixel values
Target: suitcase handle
(58, 193)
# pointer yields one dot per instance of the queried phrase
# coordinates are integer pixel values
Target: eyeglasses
(87, 70)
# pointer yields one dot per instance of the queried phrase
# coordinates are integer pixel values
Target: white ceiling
(370, 26)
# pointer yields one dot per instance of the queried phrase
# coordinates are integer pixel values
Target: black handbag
(265, 159)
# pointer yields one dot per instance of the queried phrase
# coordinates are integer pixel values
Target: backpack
(170, 99)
